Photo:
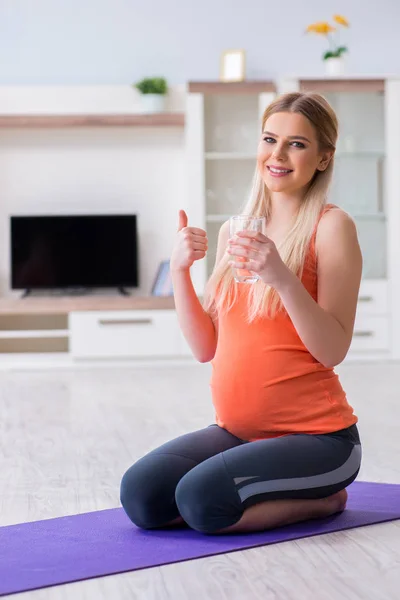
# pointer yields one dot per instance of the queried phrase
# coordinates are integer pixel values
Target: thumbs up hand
(182, 220)
(191, 244)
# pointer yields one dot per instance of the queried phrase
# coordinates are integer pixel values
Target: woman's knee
(148, 488)
(145, 494)
(207, 499)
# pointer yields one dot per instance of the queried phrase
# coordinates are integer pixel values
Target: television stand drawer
(124, 334)
(371, 333)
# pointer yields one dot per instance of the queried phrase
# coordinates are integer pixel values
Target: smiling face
(288, 153)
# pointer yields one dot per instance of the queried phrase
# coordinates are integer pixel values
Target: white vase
(152, 103)
(334, 66)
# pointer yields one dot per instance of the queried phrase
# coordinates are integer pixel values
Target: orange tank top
(265, 383)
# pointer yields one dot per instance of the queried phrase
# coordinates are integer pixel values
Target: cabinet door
(359, 177)
(231, 135)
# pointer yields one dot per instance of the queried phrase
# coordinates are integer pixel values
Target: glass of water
(245, 223)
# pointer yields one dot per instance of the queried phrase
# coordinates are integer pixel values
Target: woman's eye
(271, 140)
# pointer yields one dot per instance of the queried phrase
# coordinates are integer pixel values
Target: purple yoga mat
(55, 551)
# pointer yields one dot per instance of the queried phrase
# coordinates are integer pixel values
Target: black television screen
(73, 251)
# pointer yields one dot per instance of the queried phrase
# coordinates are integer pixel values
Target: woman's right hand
(191, 244)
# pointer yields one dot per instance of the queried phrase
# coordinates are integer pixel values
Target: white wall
(116, 42)
(91, 170)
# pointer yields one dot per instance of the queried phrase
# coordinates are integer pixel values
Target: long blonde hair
(221, 290)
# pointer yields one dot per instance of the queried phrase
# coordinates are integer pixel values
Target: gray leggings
(209, 477)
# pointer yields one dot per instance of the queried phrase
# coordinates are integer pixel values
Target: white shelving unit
(367, 185)
(223, 127)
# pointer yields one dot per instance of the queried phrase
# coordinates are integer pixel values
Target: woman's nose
(279, 152)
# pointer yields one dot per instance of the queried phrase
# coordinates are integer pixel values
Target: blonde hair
(221, 290)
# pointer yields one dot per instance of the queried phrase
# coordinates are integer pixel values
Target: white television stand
(70, 329)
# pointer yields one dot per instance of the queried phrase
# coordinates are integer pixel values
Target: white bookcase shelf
(223, 128)
(63, 305)
(217, 218)
(229, 156)
(64, 120)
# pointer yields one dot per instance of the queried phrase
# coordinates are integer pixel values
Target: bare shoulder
(337, 248)
(336, 228)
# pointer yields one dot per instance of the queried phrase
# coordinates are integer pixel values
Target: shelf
(239, 87)
(230, 156)
(253, 156)
(371, 216)
(360, 154)
(39, 333)
(212, 218)
(217, 218)
(61, 305)
(342, 85)
(134, 120)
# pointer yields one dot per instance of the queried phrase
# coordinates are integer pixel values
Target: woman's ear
(324, 161)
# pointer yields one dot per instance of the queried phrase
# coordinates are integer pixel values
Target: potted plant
(333, 57)
(153, 91)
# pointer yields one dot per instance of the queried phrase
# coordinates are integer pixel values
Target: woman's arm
(199, 329)
(326, 327)
(196, 325)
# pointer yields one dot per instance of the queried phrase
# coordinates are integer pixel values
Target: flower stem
(331, 42)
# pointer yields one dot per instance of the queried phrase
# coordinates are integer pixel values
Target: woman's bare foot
(277, 513)
(335, 503)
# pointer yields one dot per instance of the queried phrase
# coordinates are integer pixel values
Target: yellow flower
(341, 20)
(325, 28)
(322, 28)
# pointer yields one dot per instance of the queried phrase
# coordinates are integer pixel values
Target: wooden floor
(67, 437)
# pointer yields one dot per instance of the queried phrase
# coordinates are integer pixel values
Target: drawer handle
(125, 321)
(363, 333)
(365, 298)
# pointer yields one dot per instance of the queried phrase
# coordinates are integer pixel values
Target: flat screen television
(73, 251)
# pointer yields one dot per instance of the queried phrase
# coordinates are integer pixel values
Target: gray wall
(118, 41)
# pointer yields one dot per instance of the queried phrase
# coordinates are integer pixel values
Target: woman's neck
(283, 210)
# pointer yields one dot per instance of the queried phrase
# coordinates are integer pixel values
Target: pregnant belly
(273, 402)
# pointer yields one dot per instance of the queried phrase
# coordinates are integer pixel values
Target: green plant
(152, 85)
